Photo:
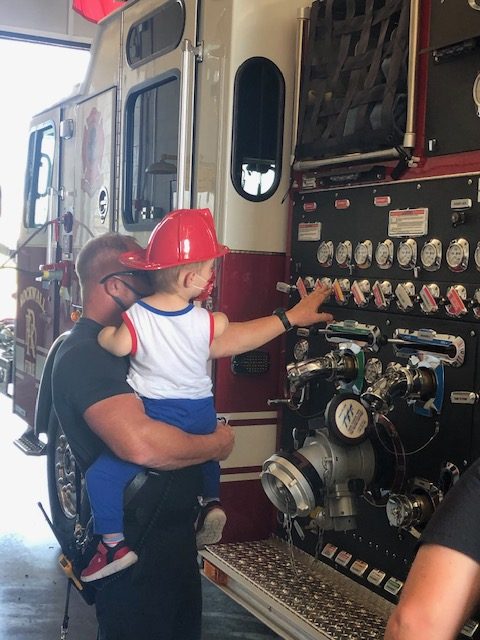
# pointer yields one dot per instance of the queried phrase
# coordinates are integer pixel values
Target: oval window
(258, 113)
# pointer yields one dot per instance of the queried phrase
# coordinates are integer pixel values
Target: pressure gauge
(373, 370)
(407, 254)
(477, 256)
(343, 253)
(476, 90)
(431, 255)
(300, 350)
(363, 254)
(457, 254)
(384, 254)
(325, 253)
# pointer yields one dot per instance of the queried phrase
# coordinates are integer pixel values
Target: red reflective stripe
(212, 327)
(133, 334)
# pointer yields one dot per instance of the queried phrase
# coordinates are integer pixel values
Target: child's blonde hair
(166, 280)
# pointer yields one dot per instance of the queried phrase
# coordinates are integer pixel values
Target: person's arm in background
(120, 421)
(240, 337)
(440, 593)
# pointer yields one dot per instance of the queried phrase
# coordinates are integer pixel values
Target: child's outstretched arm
(116, 340)
(218, 326)
(220, 323)
(252, 334)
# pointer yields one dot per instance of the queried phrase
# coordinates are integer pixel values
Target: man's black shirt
(84, 374)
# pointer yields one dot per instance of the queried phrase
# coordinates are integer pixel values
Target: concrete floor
(32, 586)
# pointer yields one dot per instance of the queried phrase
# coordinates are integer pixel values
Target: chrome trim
(385, 154)
(303, 25)
(418, 179)
(50, 253)
(410, 134)
(190, 54)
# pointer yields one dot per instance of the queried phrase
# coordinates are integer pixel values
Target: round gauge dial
(343, 253)
(300, 350)
(384, 254)
(477, 256)
(457, 255)
(476, 92)
(325, 253)
(406, 253)
(363, 254)
(430, 255)
(373, 370)
(454, 255)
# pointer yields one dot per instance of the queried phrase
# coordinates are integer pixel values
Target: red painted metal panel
(33, 332)
(250, 515)
(247, 291)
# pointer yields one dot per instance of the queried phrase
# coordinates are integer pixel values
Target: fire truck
(335, 142)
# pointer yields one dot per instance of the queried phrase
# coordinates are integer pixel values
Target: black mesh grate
(353, 96)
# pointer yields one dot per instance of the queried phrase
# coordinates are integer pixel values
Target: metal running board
(300, 599)
(30, 444)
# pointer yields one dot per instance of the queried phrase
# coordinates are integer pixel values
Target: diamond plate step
(294, 594)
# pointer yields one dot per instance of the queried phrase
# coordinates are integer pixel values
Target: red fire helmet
(183, 236)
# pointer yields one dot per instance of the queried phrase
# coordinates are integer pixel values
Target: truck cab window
(156, 34)
(258, 114)
(39, 175)
(151, 153)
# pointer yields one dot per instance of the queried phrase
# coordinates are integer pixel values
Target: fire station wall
(49, 19)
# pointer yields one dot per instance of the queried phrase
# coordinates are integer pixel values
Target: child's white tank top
(170, 351)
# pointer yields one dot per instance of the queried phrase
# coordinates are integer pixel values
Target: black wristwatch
(280, 313)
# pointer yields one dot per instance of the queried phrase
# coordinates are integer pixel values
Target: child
(168, 339)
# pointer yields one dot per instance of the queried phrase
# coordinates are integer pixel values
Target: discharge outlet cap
(347, 419)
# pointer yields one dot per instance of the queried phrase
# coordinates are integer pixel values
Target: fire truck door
(87, 187)
(158, 88)
(37, 297)
(90, 167)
